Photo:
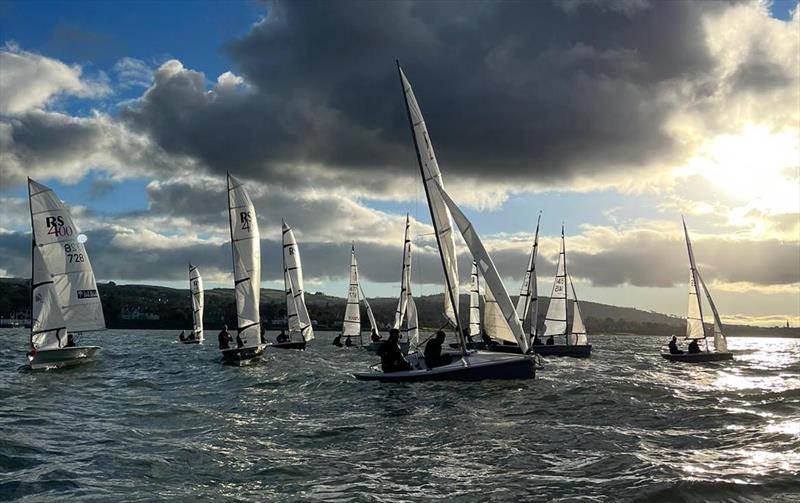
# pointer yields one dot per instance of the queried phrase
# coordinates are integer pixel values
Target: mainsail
(528, 292)
(373, 325)
(352, 314)
(442, 222)
(405, 276)
(694, 315)
(296, 311)
(246, 246)
(64, 290)
(474, 303)
(412, 324)
(720, 343)
(555, 322)
(495, 290)
(196, 287)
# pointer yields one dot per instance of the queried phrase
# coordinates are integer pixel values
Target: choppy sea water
(155, 420)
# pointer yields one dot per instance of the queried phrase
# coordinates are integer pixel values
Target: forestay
(196, 287)
(404, 276)
(694, 316)
(432, 177)
(352, 314)
(495, 290)
(528, 292)
(246, 246)
(474, 303)
(555, 322)
(297, 314)
(62, 259)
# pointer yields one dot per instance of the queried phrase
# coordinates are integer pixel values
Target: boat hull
(289, 345)
(60, 358)
(195, 341)
(571, 350)
(470, 345)
(372, 347)
(239, 357)
(697, 357)
(476, 366)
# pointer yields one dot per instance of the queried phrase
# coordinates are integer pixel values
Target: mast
(528, 292)
(33, 245)
(450, 287)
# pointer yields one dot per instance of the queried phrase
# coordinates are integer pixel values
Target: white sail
(373, 325)
(48, 328)
(293, 280)
(246, 246)
(495, 290)
(578, 334)
(694, 315)
(528, 292)
(404, 276)
(720, 342)
(196, 287)
(555, 322)
(494, 323)
(474, 303)
(432, 177)
(352, 313)
(64, 258)
(412, 324)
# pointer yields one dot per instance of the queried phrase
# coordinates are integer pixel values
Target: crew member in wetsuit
(239, 341)
(70, 341)
(337, 341)
(433, 352)
(348, 342)
(375, 336)
(467, 336)
(693, 347)
(486, 339)
(224, 338)
(391, 357)
(673, 347)
(536, 340)
(182, 335)
(550, 341)
(282, 337)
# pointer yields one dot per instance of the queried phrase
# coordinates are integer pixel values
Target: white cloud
(132, 72)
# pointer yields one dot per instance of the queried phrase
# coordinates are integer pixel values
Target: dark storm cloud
(510, 90)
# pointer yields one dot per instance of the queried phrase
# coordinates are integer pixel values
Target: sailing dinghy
(466, 365)
(64, 297)
(474, 326)
(351, 325)
(695, 326)
(196, 290)
(246, 249)
(297, 317)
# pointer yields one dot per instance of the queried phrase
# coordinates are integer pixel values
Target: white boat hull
(475, 366)
(59, 358)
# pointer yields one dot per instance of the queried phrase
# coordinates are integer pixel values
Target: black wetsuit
(348, 342)
(392, 359)
(337, 341)
(282, 337)
(375, 337)
(550, 341)
(224, 340)
(694, 347)
(537, 341)
(486, 339)
(673, 348)
(434, 356)
(239, 341)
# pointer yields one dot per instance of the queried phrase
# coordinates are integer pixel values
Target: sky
(612, 117)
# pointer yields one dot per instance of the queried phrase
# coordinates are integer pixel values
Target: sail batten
(293, 280)
(246, 252)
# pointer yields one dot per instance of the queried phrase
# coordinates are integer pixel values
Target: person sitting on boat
(348, 342)
(536, 340)
(375, 336)
(550, 341)
(673, 347)
(694, 347)
(239, 341)
(70, 341)
(433, 352)
(337, 341)
(182, 335)
(467, 336)
(282, 337)
(224, 338)
(488, 340)
(392, 359)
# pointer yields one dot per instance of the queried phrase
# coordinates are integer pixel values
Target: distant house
(16, 320)
(136, 313)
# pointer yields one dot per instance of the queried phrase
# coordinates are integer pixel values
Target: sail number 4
(56, 227)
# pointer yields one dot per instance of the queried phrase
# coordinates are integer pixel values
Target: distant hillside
(172, 308)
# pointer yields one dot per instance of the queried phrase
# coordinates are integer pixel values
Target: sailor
(488, 340)
(693, 346)
(70, 341)
(224, 338)
(263, 334)
(391, 357)
(182, 335)
(239, 341)
(467, 336)
(337, 341)
(536, 340)
(433, 352)
(348, 342)
(550, 341)
(673, 347)
(282, 337)
(375, 336)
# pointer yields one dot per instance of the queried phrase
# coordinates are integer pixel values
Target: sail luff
(578, 334)
(440, 216)
(555, 321)
(695, 328)
(491, 278)
(196, 289)
(474, 303)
